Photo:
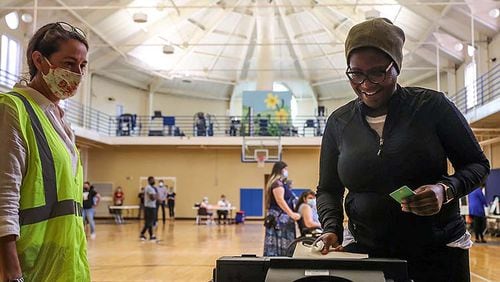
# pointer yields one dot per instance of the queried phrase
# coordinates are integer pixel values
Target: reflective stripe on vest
(52, 207)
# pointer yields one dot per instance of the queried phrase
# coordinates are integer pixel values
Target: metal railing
(487, 89)
(487, 86)
(196, 125)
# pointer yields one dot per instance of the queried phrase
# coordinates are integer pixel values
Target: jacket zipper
(380, 146)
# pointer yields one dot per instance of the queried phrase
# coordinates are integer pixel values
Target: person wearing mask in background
(280, 217)
(171, 202)
(149, 209)
(223, 207)
(477, 203)
(389, 137)
(90, 201)
(40, 172)
(118, 199)
(306, 207)
(205, 204)
(162, 197)
(141, 202)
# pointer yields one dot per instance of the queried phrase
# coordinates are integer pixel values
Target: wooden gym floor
(187, 252)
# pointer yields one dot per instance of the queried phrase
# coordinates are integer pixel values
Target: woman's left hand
(427, 200)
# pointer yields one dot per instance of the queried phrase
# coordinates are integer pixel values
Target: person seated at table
(118, 198)
(223, 209)
(306, 207)
(204, 204)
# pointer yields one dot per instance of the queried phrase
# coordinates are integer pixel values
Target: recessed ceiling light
(12, 20)
(458, 47)
(494, 13)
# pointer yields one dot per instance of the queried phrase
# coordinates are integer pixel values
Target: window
(470, 84)
(9, 61)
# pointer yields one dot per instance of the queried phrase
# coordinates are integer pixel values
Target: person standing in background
(118, 199)
(477, 203)
(90, 201)
(149, 209)
(171, 202)
(41, 177)
(280, 231)
(141, 202)
(162, 197)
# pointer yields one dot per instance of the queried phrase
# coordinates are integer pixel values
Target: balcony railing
(487, 89)
(196, 125)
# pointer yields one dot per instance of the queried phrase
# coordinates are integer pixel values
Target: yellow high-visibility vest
(52, 244)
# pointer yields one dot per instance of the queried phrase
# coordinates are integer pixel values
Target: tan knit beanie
(379, 33)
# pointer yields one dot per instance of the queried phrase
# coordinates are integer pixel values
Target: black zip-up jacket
(422, 129)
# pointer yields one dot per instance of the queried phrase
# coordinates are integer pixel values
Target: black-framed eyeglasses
(69, 28)
(375, 77)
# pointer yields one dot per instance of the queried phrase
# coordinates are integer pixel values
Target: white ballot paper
(306, 251)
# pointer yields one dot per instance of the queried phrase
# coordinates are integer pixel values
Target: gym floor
(187, 252)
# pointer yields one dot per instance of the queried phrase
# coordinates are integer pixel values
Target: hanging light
(168, 49)
(140, 17)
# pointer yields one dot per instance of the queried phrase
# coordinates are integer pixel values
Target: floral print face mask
(62, 82)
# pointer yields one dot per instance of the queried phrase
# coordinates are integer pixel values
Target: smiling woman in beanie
(393, 136)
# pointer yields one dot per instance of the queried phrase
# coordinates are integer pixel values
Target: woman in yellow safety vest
(41, 228)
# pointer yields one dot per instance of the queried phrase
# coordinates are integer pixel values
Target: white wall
(173, 105)
(134, 100)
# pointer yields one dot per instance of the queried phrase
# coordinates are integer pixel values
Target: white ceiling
(216, 43)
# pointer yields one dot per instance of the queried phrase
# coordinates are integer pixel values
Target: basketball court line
(480, 277)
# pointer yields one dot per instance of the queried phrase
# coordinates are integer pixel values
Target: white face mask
(311, 202)
(62, 82)
(285, 173)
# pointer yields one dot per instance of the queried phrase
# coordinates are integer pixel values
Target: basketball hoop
(261, 157)
(261, 161)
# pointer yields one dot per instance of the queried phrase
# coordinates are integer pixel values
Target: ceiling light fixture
(140, 17)
(12, 20)
(494, 13)
(458, 47)
(470, 50)
(27, 18)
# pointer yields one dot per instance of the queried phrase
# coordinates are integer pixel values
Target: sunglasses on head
(69, 28)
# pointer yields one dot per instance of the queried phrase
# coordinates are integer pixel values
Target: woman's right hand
(329, 240)
(295, 216)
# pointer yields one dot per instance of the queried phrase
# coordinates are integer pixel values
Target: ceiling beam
(221, 50)
(105, 58)
(214, 55)
(249, 50)
(451, 26)
(287, 30)
(92, 28)
(223, 32)
(199, 37)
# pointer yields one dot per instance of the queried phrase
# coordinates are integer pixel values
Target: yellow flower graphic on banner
(281, 115)
(271, 101)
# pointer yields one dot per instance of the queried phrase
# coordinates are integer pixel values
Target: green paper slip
(402, 193)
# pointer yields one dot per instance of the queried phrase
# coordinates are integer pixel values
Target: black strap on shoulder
(52, 207)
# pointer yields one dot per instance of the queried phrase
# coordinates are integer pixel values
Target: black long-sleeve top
(422, 129)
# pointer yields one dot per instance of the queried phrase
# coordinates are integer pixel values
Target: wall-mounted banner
(266, 113)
